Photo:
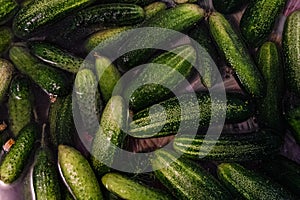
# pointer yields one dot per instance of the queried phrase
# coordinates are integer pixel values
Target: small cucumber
(78, 174)
(6, 71)
(7, 10)
(186, 179)
(259, 19)
(229, 6)
(53, 82)
(249, 184)
(230, 147)
(15, 160)
(291, 51)
(236, 55)
(6, 37)
(293, 120)
(20, 104)
(154, 8)
(109, 136)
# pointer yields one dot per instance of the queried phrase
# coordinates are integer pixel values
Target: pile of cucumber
(49, 153)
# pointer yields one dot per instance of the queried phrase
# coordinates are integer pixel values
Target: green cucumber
(15, 160)
(291, 51)
(270, 107)
(259, 19)
(20, 104)
(229, 147)
(6, 71)
(52, 81)
(186, 179)
(109, 136)
(127, 188)
(229, 6)
(157, 84)
(7, 10)
(154, 8)
(78, 174)
(137, 2)
(293, 120)
(146, 125)
(249, 184)
(108, 76)
(236, 55)
(6, 39)
(38, 15)
(178, 18)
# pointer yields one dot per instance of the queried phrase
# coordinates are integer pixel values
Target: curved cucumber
(6, 71)
(7, 10)
(6, 37)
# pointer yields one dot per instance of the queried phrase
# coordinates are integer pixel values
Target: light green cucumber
(153, 8)
(6, 71)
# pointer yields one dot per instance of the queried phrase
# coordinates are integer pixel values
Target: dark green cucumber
(229, 6)
(259, 19)
(6, 71)
(153, 8)
(52, 81)
(7, 10)
(108, 76)
(236, 55)
(6, 37)
(15, 160)
(291, 51)
(249, 184)
(156, 82)
(127, 188)
(285, 172)
(178, 18)
(186, 179)
(109, 136)
(293, 119)
(38, 15)
(137, 2)
(61, 122)
(78, 174)
(20, 104)
(230, 147)
(165, 122)
(270, 107)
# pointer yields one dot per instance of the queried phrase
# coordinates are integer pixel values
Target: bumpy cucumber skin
(45, 176)
(6, 37)
(126, 188)
(6, 71)
(186, 179)
(229, 148)
(78, 174)
(258, 20)
(250, 185)
(293, 120)
(15, 160)
(236, 55)
(154, 8)
(7, 10)
(229, 6)
(39, 14)
(110, 135)
(20, 104)
(291, 51)
(52, 81)
(270, 107)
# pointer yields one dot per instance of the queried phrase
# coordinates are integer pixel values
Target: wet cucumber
(6, 71)
(15, 160)
(293, 120)
(6, 37)
(186, 179)
(258, 20)
(78, 174)
(154, 8)
(291, 51)
(7, 10)
(229, 147)
(249, 184)
(20, 104)
(229, 6)
(237, 55)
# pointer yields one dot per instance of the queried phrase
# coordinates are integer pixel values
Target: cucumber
(156, 82)
(146, 125)
(291, 51)
(293, 120)
(38, 15)
(7, 10)
(229, 6)
(137, 2)
(6, 71)
(127, 188)
(108, 76)
(154, 8)
(53, 82)
(6, 37)
(78, 174)
(259, 19)
(237, 55)
(249, 184)
(15, 160)
(109, 136)
(186, 179)
(20, 104)
(178, 18)
(229, 147)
